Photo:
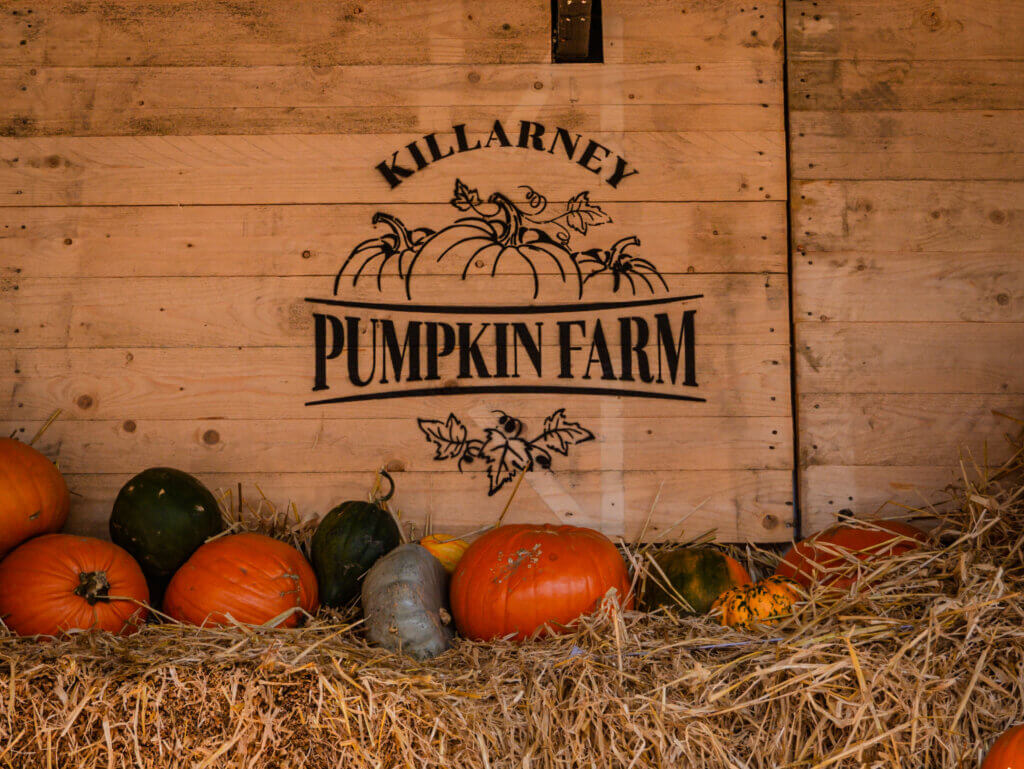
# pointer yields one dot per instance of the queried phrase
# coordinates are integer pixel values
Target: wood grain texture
(907, 217)
(319, 33)
(386, 99)
(313, 240)
(910, 144)
(906, 84)
(276, 445)
(736, 505)
(917, 30)
(930, 357)
(177, 176)
(270, 311)
(179, 170)
(872, 286)
(873, 429)
(892, 491)
(263, 383)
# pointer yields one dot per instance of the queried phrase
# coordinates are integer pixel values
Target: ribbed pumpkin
(1007, 752)
(516, 579)
(348, 541)
(765, 601)
(697, 574)
(59, 582)
(161, 516)
(827, 557)
(34, 499)
(445, 548)
(251, 577)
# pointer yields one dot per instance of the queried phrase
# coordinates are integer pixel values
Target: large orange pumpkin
(1007, 752)
(34, 499)
(251, 577)
(826, 556)
(59, 582)
(516, 579)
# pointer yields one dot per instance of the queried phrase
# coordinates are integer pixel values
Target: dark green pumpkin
(348, 541)
(162, 516)
(698, 574)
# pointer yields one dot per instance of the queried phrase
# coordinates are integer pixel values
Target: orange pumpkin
(764, 601)
(516, 579)
(1007, 752)
(445, 548)
(827, 557)
(250, 577)
(59, 582)
(34, 499)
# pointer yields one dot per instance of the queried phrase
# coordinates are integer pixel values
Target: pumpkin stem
(396, 226)
(93, 586)
(513, 219)
(391, 487)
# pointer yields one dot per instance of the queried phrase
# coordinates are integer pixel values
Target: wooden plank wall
(907, 152)
(176, 176)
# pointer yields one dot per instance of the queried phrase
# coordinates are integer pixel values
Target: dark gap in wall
(797, 508)
(576, 32)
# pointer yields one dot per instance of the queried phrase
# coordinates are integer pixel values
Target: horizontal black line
(501, 309)
(420, 392)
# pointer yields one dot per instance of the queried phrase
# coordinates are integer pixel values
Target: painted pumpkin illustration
(524, 245)
(497, 241)
(389, 252)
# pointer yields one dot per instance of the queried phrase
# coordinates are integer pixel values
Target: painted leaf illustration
(449, 436)
(505, 457)
(465, 198)
(581, 213)
(559, 434)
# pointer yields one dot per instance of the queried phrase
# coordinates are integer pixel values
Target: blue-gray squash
(405, 603)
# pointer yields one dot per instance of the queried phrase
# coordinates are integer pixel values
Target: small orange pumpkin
(830, 556)
(1007, 752)
(60, 582)
(251, 577)
(445, 548)
(34, 499)
(765, 601)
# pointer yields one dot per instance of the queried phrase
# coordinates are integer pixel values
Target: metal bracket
(572, 30)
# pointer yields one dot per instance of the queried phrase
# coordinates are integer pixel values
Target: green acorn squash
(162, 516)
(348, 541)
(697, 574)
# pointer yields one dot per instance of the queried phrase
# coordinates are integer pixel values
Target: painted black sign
(552, 312)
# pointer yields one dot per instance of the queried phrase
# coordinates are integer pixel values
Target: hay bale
(924, 670)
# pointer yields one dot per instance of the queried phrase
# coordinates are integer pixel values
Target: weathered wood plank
(657, 442)
(909, 216)
(923, 30)
(54, 94)
(909, 145)
(860, 84)
(872, 286)
(263, 383)
(95, 33)
(39, 119)
(271, 311)
(893, 491)
(739, 505)
(905, 429)
(314, 240)
(932, 357)
(340, 169)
